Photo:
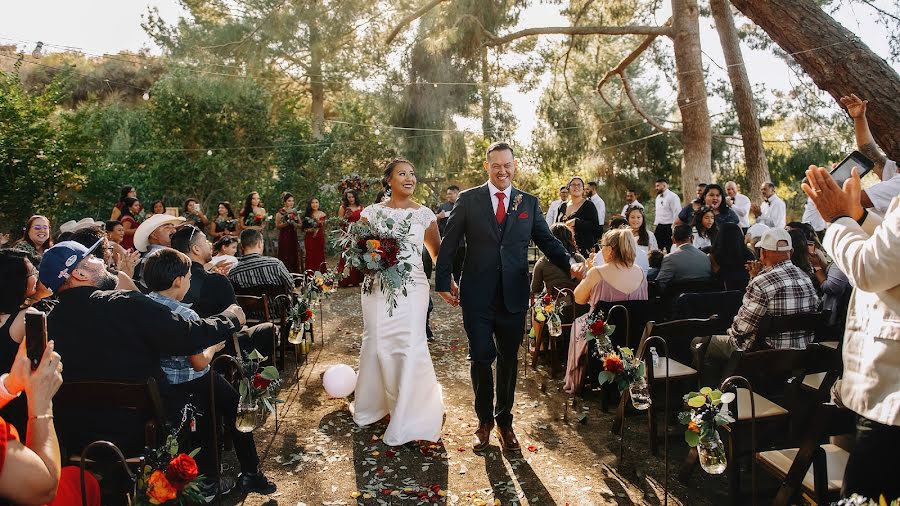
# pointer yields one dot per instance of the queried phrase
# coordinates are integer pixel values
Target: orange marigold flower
(373, 244)
(692, 426)
(613, 364)
(159, 490)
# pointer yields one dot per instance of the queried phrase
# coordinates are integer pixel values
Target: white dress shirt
(869, 255)
(881, 194)
(553, 212)
(601, 208)
(741, 208)
(626, 207)
(668, 205)
(812, 217)
(494, 200)
(774, 213)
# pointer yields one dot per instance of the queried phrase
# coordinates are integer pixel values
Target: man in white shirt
(773, 211)
(878, 196)
(812, 218)
(740, 204)
(630, 201)
(668, 205)
(867, 249)
(553, 210)
(599, 204)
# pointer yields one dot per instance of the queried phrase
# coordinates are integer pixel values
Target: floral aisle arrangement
(321, 284)
(708, 411)
(548, 309)
(624, 369)
(858, 500)
(300, 316)
(381, 249)
(258, 391)
(596, 328)
(169, 477)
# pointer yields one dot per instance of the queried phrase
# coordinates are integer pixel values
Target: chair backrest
(141, 398)
(255, 306)
(703, 305)
(774, 325)
(679, 333)
(277, 298)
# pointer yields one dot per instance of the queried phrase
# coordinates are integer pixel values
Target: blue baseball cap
(59, 261)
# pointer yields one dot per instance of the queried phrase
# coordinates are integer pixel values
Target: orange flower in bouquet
(159, 489)
(613, 364)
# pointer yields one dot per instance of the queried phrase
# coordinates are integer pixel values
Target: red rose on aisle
(261, 383)
(181, 471)
(598, 327)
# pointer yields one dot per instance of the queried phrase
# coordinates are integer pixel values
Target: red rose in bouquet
(181, 471)
(390, 250)
(598, 327)
(261, 383)
(613, 364)
(548, 299)
(308, 314)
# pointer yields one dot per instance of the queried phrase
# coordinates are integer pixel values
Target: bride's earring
(387, 193)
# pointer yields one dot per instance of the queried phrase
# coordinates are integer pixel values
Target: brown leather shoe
(508, 440)
(482, 437)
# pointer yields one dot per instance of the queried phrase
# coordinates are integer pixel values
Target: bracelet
(40, 417)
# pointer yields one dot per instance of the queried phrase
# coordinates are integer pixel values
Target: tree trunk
(486, 124)
(835, 58)
(316, 82)
(697, 161)
(754, 151)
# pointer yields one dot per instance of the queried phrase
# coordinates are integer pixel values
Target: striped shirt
(178, 369)
(782, 289)
(255, 270)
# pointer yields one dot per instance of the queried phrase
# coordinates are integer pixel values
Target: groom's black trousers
(494, 333)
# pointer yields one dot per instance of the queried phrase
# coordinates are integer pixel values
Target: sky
(108, 26)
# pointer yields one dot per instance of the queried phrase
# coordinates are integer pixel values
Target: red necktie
(501, 209)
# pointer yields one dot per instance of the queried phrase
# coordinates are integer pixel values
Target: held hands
(856, 107)
(830, 200)
(451, 297)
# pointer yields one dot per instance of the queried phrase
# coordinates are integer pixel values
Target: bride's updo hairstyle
(389, 171)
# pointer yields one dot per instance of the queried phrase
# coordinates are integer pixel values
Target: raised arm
(865, 142)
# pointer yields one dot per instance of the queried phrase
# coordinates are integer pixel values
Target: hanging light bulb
(603, 138)
(377, 131)
(435, 85)
(146, 95)
(555, 124)
(396, 88)
(208, 152)
(37, 53)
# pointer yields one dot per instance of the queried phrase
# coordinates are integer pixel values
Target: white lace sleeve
(426, 216)
(368, 212)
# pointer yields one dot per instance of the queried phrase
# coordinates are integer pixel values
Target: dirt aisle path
(319, 457)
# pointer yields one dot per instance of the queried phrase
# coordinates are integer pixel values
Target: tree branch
(412, 17)
(580, 30)
(628, 60)
(638, 108)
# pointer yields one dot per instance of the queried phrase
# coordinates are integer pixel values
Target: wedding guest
(687, 212)
(442, 216)
(225, 224)
(253, 215)
(812, 218)
(253, 269)
(668, 205)
(739, 203)
(773, 211)
(35, 238)
(287, 220)
(685, 263)
(711, 198)
(878, 197)
(580, 215)
(314, 236)
(444, 209)
(156, 207)
(351, 211)
(168, 275)
(549, 278)
(618, 279)
(654, 259)
(729, 257)
(553, 209)
(192, 213)
(865, 247)
(20, 280)
(705, 229)
(115, 231)
(800, 256)
(630, 201)
(226, 246)
(154, 233)
(128, 192)
(591, 193)
(635, 217)
(834, 286)
(130, 209)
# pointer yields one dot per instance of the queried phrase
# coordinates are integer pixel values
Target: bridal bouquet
(381, 249)
(290, 216)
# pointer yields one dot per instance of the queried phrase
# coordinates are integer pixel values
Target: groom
(497, 222)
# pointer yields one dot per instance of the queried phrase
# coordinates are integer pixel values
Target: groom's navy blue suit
(494, 288)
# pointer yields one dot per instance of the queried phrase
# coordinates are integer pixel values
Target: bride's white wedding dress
(396, 375)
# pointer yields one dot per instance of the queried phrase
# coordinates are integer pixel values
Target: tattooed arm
(865, 142)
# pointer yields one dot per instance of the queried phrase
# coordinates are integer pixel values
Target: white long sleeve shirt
(774, 213)
(741, 208)
(668, 205)
(869, 255)
(553, 212)
(601, 208)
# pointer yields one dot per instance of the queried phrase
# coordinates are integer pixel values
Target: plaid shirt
(782, 289)
(178, 369)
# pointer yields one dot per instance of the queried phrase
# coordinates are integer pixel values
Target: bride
(396, 375)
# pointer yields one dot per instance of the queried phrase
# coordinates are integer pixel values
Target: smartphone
(35, 336)
(841, 171)
(196, 207)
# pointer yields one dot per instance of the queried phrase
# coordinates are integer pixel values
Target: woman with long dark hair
(287, 219)
(130, 210)
(729, 257)
(252, 214)
(705, 229)
(20, 280)
(636, 221)
(193, 214)
(35, 238)
(128, 191)
(801, 258)
(580, 215)
(156, 207)
(225, 224)
(350, 212)
(314, 236)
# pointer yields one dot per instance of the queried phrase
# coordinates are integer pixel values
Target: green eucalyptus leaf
(691, 438)
(270, 373)
(698, 401)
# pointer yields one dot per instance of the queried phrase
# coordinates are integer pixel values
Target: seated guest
(800, 256)
(225, 250)
(115, 231)
(729, 257)
(616, 280)
(255, 270)
(35, 238)
(87, 237)
(781, 288)
(705, 229)
(641, 258)
(19, 283)
(113, 335)
(549, 278)
(654, 259)
(32, 473)
(154, 233)
(685, 262)
(211, 293)
(168, 275)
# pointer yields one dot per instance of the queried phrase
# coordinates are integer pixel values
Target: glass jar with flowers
(708, 411)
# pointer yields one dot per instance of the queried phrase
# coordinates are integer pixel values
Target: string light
(146, 96)
(208, 152)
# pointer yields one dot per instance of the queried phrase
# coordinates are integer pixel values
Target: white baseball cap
(770, 239)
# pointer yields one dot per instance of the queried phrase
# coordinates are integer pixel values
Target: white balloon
(339, 381)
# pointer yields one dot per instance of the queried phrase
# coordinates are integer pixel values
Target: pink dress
(578, 347)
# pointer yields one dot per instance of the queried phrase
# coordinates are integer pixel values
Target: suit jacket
(495, 253)
(687, 263)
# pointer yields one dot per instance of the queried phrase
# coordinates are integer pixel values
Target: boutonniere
(516, 202)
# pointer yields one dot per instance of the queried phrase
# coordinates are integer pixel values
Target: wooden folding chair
(257, 310)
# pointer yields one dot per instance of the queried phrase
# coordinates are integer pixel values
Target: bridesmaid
(351, 210)
(286, 221)
(128, 192)
(252, 215)
(314, 228)
(193, 215)
(130, 209)
(224, 224)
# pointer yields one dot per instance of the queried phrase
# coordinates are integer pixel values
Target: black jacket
(494, 252)
(210, 292)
